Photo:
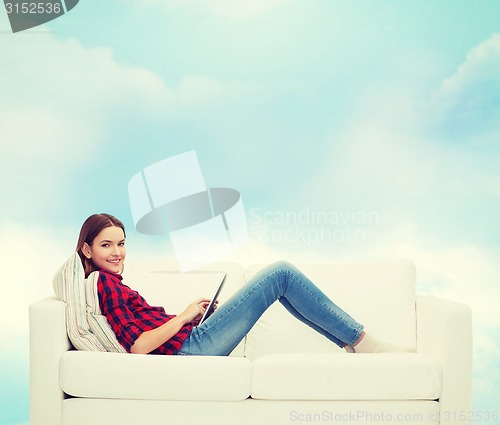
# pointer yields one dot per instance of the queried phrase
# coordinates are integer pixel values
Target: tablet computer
(210, 308)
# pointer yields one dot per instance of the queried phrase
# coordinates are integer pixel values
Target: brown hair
(89, 231)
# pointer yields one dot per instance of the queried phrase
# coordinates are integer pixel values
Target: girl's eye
(121, 244)
(105, 245)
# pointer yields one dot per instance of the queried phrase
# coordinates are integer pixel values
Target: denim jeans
(227, 326)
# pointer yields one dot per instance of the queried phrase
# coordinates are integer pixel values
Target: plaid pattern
(130, 315)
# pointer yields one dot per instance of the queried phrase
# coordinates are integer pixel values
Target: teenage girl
(142, 328)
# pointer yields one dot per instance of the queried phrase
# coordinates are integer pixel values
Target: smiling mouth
(113, 261)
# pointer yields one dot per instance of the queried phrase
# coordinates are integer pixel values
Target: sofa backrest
(380, 295)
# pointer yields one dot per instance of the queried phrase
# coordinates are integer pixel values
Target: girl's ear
(86, 250)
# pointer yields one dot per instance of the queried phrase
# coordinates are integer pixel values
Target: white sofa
(281, 373)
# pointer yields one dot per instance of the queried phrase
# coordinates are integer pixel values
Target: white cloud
(56, 83)
(59, 101)
(402, 149)
(477, 79)
(467, 103)
(60, 95)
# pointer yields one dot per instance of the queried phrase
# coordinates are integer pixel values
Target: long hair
(89, 231)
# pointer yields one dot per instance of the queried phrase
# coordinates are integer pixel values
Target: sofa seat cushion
(154, 377)
(325, 376)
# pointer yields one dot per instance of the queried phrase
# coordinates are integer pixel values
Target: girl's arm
(150, 340)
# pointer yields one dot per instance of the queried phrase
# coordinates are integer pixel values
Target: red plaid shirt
(130, 315)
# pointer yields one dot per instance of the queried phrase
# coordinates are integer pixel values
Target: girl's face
(107, 250)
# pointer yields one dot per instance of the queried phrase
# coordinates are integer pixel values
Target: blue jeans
(228, 325)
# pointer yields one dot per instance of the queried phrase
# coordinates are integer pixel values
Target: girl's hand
(194, 311)
(196, 320)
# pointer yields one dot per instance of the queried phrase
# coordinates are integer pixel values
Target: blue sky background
(386, 109)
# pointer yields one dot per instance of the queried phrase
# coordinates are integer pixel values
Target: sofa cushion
(380, 295)
(98, 323)
(69, 287)
(154, 377)
(323, 376)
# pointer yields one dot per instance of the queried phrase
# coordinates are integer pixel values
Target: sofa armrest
(444, 332)
(48, 340)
